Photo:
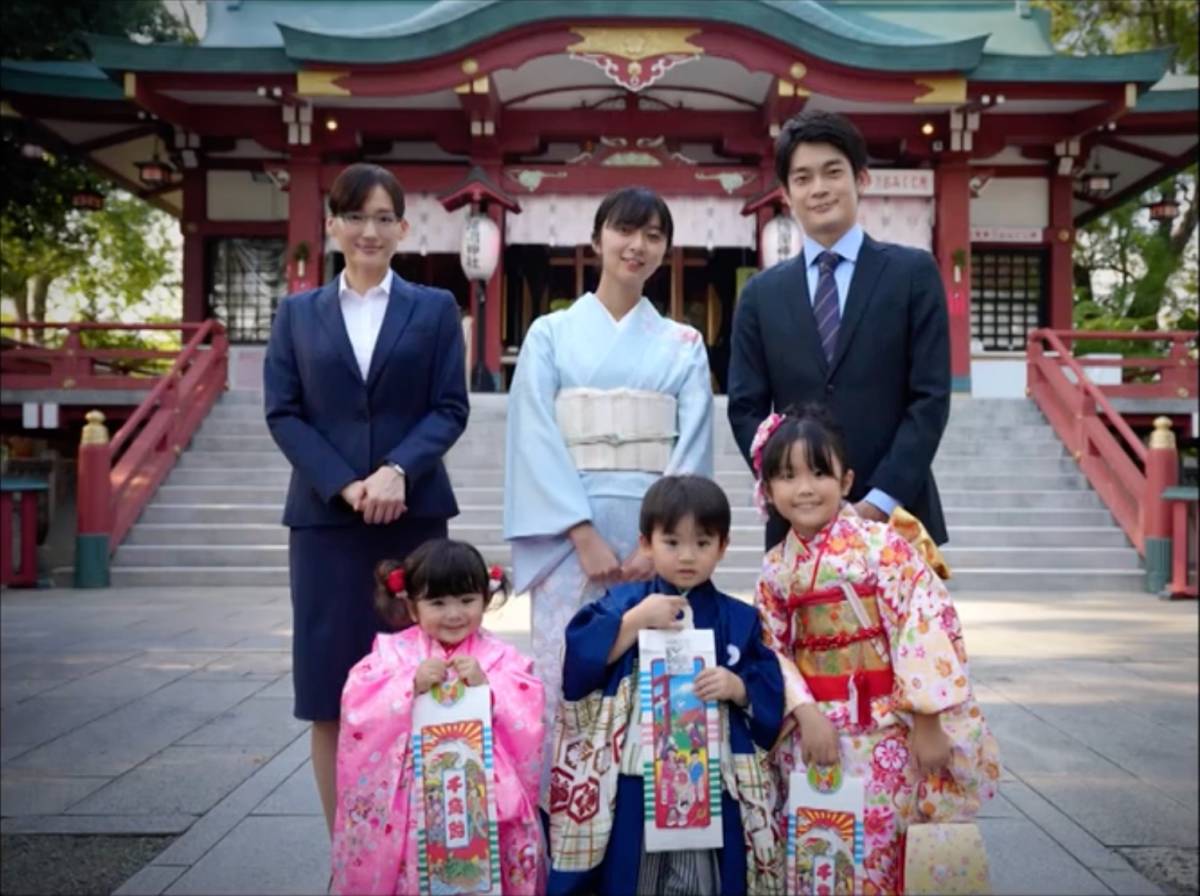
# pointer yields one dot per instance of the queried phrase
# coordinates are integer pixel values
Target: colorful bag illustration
(680, 740)
(458, 850)
(824, 832)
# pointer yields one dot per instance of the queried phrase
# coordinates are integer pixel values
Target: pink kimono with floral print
(869, 694)
(375, 827)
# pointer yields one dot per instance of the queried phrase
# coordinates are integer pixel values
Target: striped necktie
(825, 304)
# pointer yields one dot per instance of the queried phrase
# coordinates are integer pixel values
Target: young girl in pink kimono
(875, 670)
(436, 599)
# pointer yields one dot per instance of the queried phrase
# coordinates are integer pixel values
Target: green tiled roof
(987, 40)
(65, 79)
(119, 54)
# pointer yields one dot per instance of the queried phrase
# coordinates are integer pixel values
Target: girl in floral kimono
(608, 395)
(443, 587)
(875, 668)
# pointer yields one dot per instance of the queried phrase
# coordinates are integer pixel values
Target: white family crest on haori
(458, 850)
(680, 742)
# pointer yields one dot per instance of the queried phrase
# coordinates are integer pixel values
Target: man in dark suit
(856, 324)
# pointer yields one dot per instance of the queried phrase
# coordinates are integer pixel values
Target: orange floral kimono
(869, 679)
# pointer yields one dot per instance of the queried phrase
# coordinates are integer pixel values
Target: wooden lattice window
(1008, 296)
(246, 280)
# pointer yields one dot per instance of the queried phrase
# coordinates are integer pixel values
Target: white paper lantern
(480, 252)
(780, 240)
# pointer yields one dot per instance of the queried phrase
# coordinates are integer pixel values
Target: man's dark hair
(674, 497)
(633, 207)
(352, 187)
(819, 127)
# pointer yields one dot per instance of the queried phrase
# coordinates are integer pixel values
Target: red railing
(117, 478)
(1115, 461)
(1183, 581)
(73, 365)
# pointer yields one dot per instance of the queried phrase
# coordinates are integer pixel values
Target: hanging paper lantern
(780, 240)
(480, 252)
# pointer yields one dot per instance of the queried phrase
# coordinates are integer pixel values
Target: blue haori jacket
(597, 810)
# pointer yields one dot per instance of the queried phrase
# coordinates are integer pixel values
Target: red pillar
(195, 214)
(1061, 237)
(306, 223)
(495, 286)
(952, 247)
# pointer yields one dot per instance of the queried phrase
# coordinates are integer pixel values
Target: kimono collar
(797, 546)
(431, 647)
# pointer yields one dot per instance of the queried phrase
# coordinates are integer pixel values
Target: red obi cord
(841, 639)
(830, 595)
(869, 683)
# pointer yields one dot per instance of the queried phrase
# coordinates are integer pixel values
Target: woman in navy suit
(365, 392)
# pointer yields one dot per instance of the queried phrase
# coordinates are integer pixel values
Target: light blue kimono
(545, 495)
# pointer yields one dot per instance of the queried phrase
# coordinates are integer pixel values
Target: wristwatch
(397, 468)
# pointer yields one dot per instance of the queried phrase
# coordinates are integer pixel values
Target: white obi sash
(617, 429)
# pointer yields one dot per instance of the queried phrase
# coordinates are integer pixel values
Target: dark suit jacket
(888, 385)
(335, 428)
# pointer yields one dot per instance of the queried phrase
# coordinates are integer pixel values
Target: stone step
(164, 511)
(734, 579)
(489, 483)
(468, 472)
(270, 532)
(738, 498)
(470, 449)
(739, 556)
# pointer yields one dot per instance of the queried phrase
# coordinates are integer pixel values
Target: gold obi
(830, 646)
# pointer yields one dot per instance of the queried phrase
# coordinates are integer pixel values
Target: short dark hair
(633, 207)
(442, 567)
(814, 426)
(352, 187)
(819, 127)
(672, 498)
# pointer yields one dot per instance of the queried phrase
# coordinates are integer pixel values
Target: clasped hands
(433, 671)
(380, 498)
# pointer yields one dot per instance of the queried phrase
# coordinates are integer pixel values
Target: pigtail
(498, 584)
(391, 594)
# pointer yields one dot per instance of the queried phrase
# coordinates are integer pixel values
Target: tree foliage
(43, 237)
(1132, 273)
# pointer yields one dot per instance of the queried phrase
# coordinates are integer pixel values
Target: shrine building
(986, 147)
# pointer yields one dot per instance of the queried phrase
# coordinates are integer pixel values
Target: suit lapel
(799, 310)
(870, 264)
(330, 312)
(399, 309)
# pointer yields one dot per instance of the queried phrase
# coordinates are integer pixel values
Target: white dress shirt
(363, 316)
(848, 247)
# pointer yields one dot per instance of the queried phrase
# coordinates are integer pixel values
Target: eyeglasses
(357, 220)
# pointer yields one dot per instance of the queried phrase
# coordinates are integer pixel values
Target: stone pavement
(168, 710)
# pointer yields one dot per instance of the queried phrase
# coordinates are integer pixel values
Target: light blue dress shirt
(848, 247)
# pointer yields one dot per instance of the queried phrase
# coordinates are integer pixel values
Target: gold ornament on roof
(635, 58)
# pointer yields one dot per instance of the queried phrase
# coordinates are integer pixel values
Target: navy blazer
(888, 385)
(335, 428)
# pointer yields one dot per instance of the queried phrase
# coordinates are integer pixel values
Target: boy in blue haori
(608, 395)
(597, 791)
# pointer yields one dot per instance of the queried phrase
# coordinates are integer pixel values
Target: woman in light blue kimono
(608, 395)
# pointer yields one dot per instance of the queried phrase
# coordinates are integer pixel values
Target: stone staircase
(1021, 516)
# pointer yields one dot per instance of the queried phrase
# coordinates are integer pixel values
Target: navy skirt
(334, 621)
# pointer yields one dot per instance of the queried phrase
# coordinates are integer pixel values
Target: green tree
(1147, 269)
(43, 237)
